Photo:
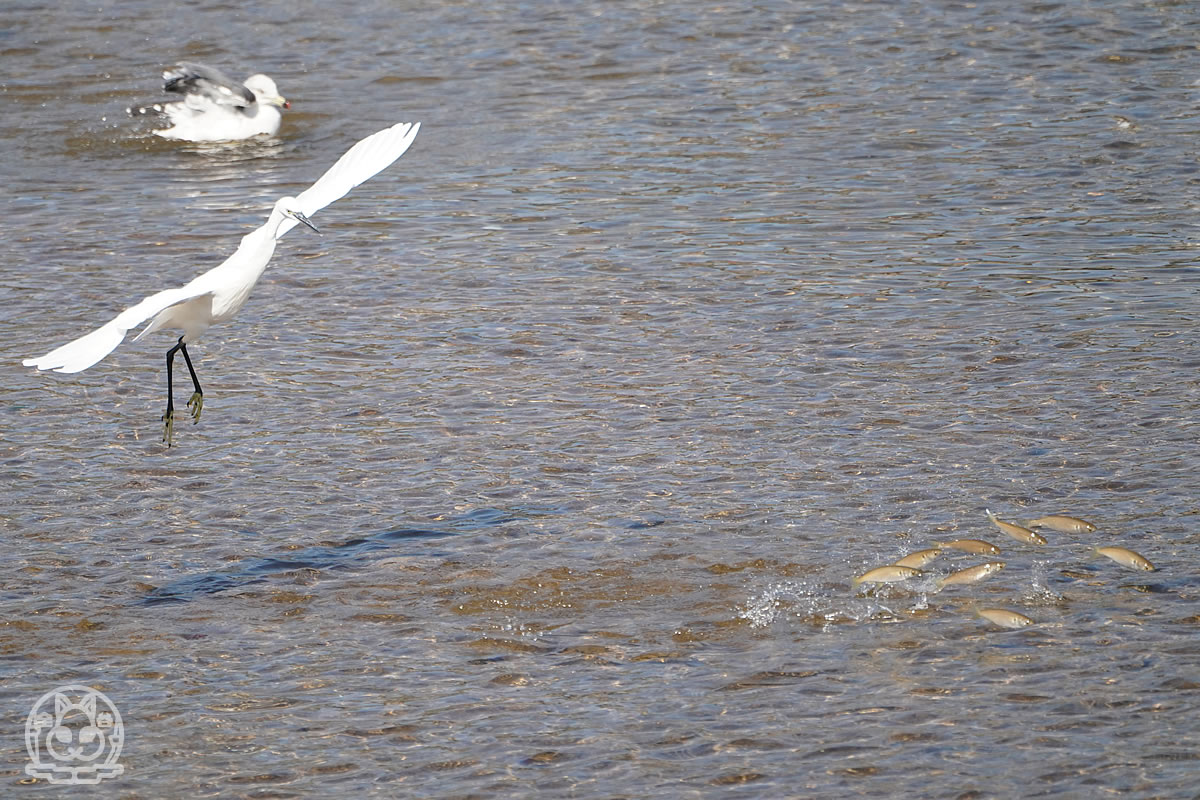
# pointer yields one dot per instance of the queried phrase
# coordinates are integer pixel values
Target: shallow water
(547, 468)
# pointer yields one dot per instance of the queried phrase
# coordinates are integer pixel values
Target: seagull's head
(265, 91)
(289, 207)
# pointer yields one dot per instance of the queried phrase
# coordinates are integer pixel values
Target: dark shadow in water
(345, 555)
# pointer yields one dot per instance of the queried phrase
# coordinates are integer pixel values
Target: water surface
(546, 470)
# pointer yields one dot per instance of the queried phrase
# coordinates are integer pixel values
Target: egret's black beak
(301, 218)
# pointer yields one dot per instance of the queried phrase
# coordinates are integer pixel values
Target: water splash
(814, 603)
(1039, 586)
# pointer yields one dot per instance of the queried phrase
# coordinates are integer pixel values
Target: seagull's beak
(279, 101)
(299, 217)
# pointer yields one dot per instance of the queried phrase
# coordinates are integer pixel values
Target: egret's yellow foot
(195, 406)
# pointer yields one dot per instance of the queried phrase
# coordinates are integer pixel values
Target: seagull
(216, 108)
(217, 295)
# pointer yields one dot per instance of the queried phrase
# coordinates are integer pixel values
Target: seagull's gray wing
(196, 79)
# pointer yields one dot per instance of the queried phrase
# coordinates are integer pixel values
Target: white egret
(216, 108)
(218, 294)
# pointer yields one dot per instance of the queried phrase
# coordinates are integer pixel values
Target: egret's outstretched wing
(209, 83)
(85, 351)
(366, 159)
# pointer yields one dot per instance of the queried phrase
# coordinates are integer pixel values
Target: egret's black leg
(196, 403)
(169, 417)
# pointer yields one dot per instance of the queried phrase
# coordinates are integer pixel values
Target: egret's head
(288, 207)
(265, 91)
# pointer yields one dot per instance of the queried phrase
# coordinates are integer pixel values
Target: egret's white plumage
(218, 294)
(216, 108)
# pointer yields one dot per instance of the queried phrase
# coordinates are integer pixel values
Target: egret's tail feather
(82, 353)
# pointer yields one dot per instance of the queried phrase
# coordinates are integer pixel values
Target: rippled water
(547, 469)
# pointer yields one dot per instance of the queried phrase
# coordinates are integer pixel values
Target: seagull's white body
(216, 108)
(220, 293)
(197, 120)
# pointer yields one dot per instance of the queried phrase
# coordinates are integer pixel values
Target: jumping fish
(1126, 558)
(1062, 523)
(919, 558)
(974, 546)
(1016, 531)
(971, 574)
(1004, 618)
(888, 574)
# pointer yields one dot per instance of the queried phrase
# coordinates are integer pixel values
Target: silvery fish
(887, 574)
(1016, 531)
(1062, 523)
(1126, 558)
(975, 546)
(1004, 618)
(971, 574)
(919, 558)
